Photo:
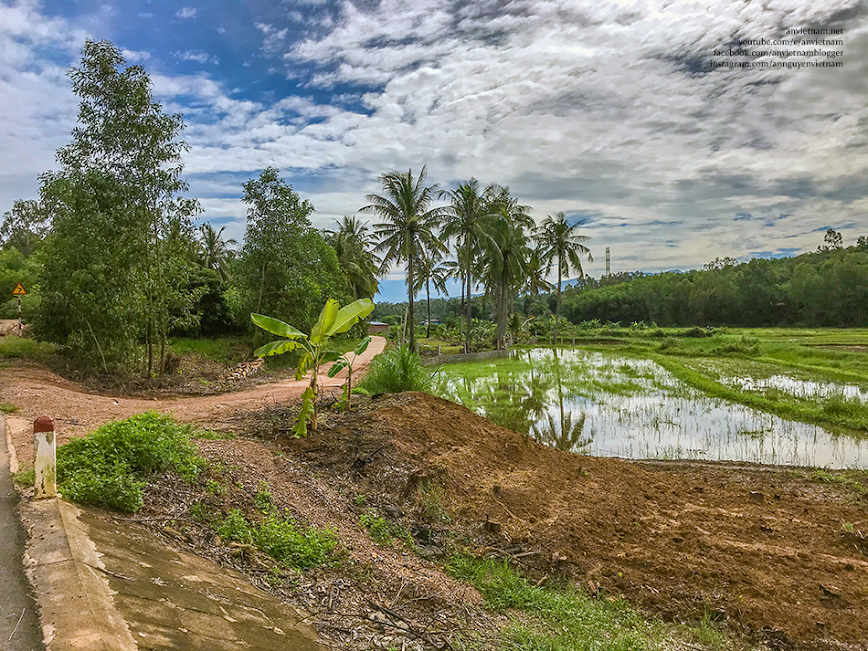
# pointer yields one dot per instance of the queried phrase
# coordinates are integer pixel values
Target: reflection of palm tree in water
(516, 403)
(564, 435)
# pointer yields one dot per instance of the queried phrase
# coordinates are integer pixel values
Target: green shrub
(110, 467)
(8, 408)
(396, 370)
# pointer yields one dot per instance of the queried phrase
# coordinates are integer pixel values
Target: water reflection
(609, 406)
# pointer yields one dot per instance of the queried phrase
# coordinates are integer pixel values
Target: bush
(110, 467)
(396, 370)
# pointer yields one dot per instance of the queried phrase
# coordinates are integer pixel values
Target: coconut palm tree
(464, 221)
(559, 240)
(353, 243)
(505, 257)
(433, 269)
(408, 227)
(214, 251)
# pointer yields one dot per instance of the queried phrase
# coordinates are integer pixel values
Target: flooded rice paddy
(603, 405)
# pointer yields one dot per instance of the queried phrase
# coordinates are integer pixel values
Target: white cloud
(196, 55)
(186, 12)
(134, 56)
(605, 108)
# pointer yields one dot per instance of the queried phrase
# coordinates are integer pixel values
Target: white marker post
(45, 465)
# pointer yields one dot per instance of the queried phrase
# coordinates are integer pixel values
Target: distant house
(378, 328)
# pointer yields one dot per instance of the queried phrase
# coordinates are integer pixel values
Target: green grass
(283, 539)
(25, 476)
(17, 347)
(111, 466)
(854, 480)
(226, 350)
(8, 408)
(568, 619)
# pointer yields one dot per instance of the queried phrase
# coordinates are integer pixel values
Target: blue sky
(608, 111)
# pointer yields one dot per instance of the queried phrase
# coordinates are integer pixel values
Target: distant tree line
(828, 287)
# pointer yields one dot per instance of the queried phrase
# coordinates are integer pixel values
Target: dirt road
(35, 391)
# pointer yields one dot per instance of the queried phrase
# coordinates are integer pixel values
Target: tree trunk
(411, 321)
(428, 296)
(558, 304)
(468, 311)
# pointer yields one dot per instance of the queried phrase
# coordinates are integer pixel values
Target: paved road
(19, 624)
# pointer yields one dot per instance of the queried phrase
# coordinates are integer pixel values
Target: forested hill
(826, 288)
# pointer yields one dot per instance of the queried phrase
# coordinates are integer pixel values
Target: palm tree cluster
(492, 237)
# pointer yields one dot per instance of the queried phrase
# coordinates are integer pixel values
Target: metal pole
(20, 326)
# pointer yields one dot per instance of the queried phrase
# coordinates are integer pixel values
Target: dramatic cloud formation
(612, 112)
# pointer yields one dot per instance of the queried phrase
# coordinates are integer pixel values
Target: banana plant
(332, 320)
(345, 362)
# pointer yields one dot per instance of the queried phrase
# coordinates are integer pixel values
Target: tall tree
(559, 240)
(215, 252)
(286, 267)
(112, 202)
(408, 229)
(25, 226)
(354, 245)
(504, 267)
(433, 270)
(464, 221)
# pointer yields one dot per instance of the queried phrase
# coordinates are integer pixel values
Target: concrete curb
(75, 601)
(76, 608)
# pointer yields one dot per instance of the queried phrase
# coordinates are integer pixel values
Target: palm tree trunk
(411, 322)
(558, 304)
(428, 294)
(467, 310)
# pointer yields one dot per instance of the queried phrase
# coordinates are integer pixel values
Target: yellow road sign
(19, 290)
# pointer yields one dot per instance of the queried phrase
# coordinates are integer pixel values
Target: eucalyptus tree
(25, 226)
(560, 243)
(464, 221)
(113, 200)
(354, 243)
(408, 228)
(215, 252)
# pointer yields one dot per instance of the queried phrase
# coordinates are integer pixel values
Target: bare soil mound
(774, 554)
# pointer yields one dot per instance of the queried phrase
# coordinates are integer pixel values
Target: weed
(236, 527)
(201, 513)
(282, 538)
(215, 488)
(211, 435)
(360, 500)
(848, 527)
(556, 619)
(382, 531)
(263, 500)
(25, 477)
(398, 369)
(432, 502)
(8, 408)
(111, 466)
